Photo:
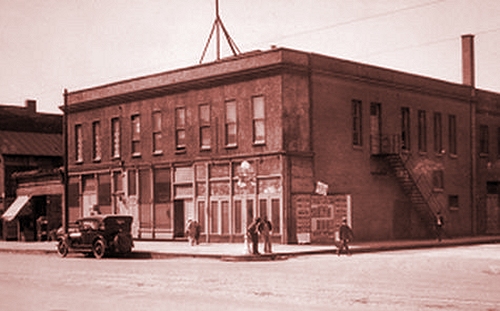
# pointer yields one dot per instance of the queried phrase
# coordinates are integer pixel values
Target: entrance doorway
(178, 218)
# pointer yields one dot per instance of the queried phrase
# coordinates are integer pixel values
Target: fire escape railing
(419, 188)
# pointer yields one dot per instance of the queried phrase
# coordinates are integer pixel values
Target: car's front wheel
(62, 248)
(99, 249)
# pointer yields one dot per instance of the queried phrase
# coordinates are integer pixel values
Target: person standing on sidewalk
(197, 232)
(439, 226)
(253, 234)
(190, 231)
(345, 234)
(265, 229)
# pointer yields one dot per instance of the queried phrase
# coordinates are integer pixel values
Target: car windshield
(89, 224)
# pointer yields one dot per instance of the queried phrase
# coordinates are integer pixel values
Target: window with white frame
(180, 128)
(231, 124)
(259, 120)
(115, 138)
(96, 141)
(204, 123)
(157, 148)
(78, 143)
(136, 134)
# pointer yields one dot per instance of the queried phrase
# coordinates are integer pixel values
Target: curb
(144, 254)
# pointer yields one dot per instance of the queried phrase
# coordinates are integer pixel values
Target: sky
(47, 46)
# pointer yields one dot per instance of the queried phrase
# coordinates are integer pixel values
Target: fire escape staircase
(419, 189)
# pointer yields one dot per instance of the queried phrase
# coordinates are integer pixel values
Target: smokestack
(30, 105)
(468, 60)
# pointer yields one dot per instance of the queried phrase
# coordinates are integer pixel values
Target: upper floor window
(483, 139)
(438, 133)
(259, 120)
(96, 141)
(422, 131)
(452, 134)
(157, 149)
(115, 138)
(231, 124)
(78, 143)
(136, 134)
(180, 128)
(356, 123)
(204, 121)
(405, 128)
(438, 179)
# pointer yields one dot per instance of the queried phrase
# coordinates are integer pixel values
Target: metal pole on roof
(217, 26)
(217, 20)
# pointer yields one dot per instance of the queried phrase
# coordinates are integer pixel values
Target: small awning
(16, 207)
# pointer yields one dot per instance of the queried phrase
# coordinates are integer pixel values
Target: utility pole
(217, 26)
(65, 210)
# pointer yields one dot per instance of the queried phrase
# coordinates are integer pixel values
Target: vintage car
(97, 235)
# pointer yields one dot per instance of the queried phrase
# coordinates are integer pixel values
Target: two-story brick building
(253, 135)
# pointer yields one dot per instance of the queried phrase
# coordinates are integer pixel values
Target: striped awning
(16, 207)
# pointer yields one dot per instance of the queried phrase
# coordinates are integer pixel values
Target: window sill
(453, 156)
(259, 143)
(79, 162)
(96, 160)
(158, 153)
(483, 155)
(454, 209)
(205, 149)
(180, 151)
(136, 155)
(357, 147)
(231, 146)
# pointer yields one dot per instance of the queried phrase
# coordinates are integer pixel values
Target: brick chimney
(30, 105)
(468, 74)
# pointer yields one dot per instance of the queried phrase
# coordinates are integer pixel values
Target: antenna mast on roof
(217, 26)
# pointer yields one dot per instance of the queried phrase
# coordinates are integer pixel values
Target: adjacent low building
(301, 138)
(29, 141)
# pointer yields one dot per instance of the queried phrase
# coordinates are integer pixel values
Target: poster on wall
(302, 207)
(319, 217)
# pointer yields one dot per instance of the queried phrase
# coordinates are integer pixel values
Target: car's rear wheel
(62, 248)
(99, 249)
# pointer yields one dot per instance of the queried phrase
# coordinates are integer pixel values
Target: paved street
(459, 278)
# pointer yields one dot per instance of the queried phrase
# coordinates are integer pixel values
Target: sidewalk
(236, 251)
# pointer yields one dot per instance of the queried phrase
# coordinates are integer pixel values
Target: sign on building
(318, 217)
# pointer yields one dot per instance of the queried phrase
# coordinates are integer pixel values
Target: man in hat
(253, 234)
(345, 234)
(439, 226)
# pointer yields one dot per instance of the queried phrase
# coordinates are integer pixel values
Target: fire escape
(418, 188)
